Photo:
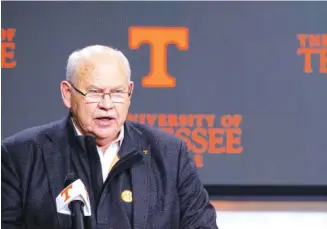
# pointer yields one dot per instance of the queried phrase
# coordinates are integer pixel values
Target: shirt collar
(119, 139)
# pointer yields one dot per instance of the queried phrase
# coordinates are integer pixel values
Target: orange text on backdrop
(8, 47)
(199, 131)
(313, 44)
(158, 38)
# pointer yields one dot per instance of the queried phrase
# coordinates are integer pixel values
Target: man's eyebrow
(91, 86)
(118, 87)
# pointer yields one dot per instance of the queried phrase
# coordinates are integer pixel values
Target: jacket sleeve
(11, 204)
(196, 209)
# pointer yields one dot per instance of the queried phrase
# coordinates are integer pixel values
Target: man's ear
(66, 93)
(131, 87)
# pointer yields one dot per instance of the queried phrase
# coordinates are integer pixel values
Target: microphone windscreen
(70, 178)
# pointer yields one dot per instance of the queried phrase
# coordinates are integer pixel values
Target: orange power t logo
(65, 192)
(158, 38)
(7, 48)
(313, 44)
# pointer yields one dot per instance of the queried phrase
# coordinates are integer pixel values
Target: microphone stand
(77, 214)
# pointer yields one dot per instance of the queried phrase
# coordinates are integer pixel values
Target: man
(136, 176)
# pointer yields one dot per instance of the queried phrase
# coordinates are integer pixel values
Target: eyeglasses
(94, 96)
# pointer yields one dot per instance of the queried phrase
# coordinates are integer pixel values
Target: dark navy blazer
(155, 166)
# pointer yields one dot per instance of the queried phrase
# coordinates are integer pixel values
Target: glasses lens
(117, 97)
(93, 97)
(97, 97)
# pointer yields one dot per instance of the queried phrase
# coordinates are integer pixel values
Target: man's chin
(106, 134)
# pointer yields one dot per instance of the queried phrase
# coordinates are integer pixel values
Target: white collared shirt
(107, 158)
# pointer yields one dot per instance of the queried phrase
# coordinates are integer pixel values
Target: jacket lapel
(57, 164)
(133, 141)
(80, 165)
(64, 153)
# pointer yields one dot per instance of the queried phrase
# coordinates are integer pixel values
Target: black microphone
(75, 206)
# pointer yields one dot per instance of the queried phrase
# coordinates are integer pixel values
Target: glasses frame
(103, 94)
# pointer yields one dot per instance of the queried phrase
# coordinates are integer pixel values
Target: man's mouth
(104, 119)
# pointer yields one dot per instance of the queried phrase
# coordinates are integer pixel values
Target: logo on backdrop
(203, 133)
(199, 131)
(8, 47)
(158, 39)
(313, 46)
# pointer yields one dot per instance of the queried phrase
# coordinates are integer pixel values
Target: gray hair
(80, 55)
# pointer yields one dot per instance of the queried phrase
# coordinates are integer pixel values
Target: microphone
(74, 201)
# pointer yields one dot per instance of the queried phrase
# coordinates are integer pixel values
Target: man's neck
(104, 144)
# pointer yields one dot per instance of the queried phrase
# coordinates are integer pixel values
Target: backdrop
(243, 83)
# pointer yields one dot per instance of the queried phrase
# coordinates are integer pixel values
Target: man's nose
(106, 102)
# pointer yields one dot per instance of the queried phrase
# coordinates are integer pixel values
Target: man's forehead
(101, 76)
(84, 69)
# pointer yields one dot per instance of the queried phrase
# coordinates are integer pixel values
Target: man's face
(105, 118)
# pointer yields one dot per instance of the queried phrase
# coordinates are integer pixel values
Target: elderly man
(136, 176)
